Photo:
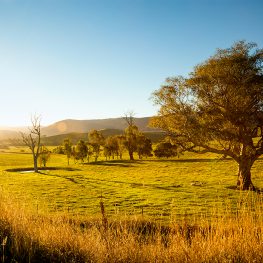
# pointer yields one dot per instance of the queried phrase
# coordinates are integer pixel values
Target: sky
(94, 59)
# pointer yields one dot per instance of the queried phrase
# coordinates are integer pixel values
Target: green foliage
(135, 141)
(80, 152)
(67, 146)
(121, 139)
(59, 150)
(144, 146)
(96, 140)
(131, 134)
(154, 136)
(111, 147)
(165, 149)
(44, 156)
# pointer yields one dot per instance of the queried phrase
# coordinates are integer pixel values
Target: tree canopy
(67, 146)
(218, 107)
(165, 149)
(96, 140)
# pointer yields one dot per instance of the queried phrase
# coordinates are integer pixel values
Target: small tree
(121, 145)
(111, 147)
(165, 149)
(96, 140)
(44, 156)
(131, 134)
(32, 139)
(144, 146)
(106, 152)
(89, 151)
(59, 150)
(74, 154)
(80, 151)
(67, 145)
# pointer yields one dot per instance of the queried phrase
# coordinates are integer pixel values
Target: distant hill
(75, 137)
(84, 126)
(8, 137)
(77, 129)
(8, 134)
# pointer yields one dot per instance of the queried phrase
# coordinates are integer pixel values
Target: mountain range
(84, 126)
(76, 129)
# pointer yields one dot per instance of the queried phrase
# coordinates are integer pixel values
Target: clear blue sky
(87, 59)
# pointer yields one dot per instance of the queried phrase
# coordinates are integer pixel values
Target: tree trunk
(131, 155)
(244, 181)
(35, 164)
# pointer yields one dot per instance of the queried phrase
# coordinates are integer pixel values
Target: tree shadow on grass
(40, 169)
(203, 160)
(119, 163)
(66, 178)
(43, 171)
(136, 185)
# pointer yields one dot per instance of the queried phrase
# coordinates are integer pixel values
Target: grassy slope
(162, 187)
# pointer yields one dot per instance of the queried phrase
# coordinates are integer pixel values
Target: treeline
(74, 137)
(131, 141)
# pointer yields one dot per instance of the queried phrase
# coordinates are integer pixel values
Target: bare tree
(32, 139)
(129, 118)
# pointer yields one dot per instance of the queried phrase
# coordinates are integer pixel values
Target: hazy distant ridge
(80, 126)
(83, 126)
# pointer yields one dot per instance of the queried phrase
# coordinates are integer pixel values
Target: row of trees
(132, 141)
(112, 147)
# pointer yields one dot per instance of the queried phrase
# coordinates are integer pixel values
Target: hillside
(75, 137)
(84, 126)
(76, 130)
(8, 134)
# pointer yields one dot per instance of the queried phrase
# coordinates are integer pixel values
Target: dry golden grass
(29, 237)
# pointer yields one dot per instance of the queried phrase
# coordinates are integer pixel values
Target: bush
(165, 149)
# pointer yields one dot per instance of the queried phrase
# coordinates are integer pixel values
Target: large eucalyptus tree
(218, 108)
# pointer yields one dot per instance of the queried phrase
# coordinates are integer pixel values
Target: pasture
(160, 189)
(178, 210)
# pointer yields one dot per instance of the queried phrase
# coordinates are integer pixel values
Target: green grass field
(160, 189)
